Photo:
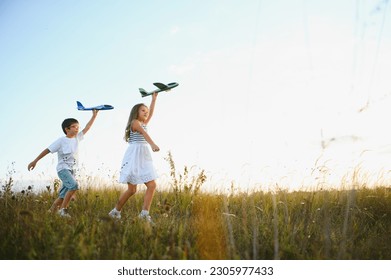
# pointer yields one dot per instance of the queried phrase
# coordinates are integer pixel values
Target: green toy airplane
(160, 86)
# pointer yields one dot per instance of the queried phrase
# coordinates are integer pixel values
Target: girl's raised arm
(151, 107)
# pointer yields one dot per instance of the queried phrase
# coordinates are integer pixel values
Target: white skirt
(137, 166)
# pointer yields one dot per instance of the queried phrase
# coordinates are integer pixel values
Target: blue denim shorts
(68, 182)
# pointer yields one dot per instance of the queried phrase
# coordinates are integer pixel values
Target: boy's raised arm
(91, 121)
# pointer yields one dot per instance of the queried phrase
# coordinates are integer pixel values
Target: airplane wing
(161, 86)
(100, 107)
(172, 85)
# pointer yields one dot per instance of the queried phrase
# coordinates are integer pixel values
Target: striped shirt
(136, 137)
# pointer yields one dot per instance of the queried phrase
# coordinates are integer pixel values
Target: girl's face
(143, 113)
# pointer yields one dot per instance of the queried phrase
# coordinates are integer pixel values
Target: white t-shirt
(67, 151)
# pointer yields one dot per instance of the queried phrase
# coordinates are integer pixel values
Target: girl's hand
(154, 95)
(155, 148)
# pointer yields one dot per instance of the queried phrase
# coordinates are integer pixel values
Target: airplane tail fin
(79, 105)
(143, 92)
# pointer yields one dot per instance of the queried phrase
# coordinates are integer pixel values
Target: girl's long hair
(133, 116)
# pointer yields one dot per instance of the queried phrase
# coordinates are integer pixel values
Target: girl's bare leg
(132, 189)
(151, 186)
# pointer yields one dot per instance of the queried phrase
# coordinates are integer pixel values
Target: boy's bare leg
(67, 198)
(132, 189)
(56, 204)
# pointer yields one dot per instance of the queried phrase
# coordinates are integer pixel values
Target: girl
(137, 166)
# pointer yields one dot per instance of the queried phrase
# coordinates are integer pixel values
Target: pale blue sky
(261, 82)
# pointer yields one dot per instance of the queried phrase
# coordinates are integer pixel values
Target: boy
(66, 148)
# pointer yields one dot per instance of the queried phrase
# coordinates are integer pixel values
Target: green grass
(199, 225)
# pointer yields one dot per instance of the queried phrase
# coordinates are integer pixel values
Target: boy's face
(72, 130)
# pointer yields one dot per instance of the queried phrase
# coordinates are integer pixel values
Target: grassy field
(349, 223)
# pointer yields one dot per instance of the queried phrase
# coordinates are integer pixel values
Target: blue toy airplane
(160, 86)
(100, 107)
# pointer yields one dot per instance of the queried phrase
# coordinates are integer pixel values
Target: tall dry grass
(352, 222)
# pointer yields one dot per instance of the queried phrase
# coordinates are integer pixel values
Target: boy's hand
(31, 166)
(95, 113)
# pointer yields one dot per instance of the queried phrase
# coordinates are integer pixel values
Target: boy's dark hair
(67, 124)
